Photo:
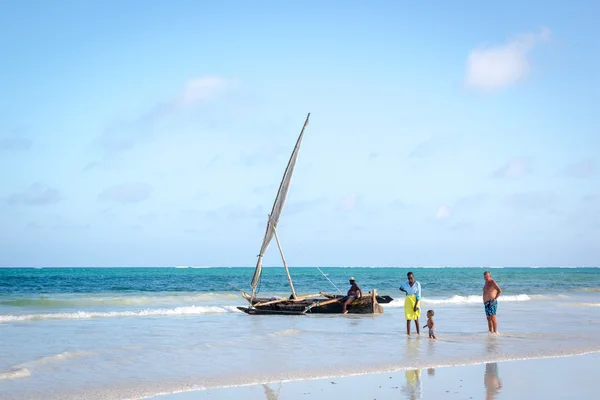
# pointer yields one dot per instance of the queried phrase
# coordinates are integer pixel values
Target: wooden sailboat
(294, 304)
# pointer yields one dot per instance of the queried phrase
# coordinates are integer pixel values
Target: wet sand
(573, 377)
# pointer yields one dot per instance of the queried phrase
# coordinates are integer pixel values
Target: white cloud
(494, 67)
(513, 169)
(127, 193)
(443, 212)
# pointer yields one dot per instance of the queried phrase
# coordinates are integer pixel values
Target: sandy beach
(550, 378)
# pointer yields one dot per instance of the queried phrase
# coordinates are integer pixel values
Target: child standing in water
(430, 324)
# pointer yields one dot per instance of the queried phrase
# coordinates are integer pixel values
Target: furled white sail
(284, 187)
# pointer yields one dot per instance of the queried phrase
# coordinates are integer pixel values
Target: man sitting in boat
(353, 293)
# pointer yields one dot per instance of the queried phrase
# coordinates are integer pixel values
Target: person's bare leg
(408, 327)
(490, 327)
(494, 324)
(418, 327)
(344, 310)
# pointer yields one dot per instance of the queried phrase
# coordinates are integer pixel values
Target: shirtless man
(353, 293)
(491, 292)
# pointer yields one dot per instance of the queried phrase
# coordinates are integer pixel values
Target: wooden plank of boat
(258, 311)
(380, 299)
(321, 303)
(297, 299)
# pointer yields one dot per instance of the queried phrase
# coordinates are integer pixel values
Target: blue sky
(156, 133)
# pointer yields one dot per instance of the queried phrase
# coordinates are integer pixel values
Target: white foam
(164, 299)
(475, 299)
(15, 374)
(471, 299)
(285, 332)
(23, 370)
(191, 310)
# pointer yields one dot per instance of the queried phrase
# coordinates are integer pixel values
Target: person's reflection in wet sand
(492, 345)
(491, 381)
(413, 388)
(413, 348)
(270, 393)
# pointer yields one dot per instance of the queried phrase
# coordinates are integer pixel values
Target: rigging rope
(315, 264)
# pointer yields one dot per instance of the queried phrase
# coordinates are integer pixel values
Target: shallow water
(69, 344)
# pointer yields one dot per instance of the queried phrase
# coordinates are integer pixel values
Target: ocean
(73, 333)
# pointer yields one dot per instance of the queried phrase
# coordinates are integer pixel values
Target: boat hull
(327, 304)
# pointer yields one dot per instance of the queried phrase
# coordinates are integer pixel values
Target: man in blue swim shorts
(491, 292)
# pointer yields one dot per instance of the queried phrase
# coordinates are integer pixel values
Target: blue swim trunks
(490, 307)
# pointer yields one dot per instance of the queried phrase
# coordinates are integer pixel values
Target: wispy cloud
(533, 201)
(235, 213)
(582, 169)
(443, 212)
(349, 202)
(265, 189)
(515, 168)
(461, 226)
(398, 204)
(463, 209)
(127, 193)
(124, 135)
(70, 226)
(35, 195)
(58, 223)
(492, 68)
(586, 215)
(298, 207)
(372, 157)
(264, 154)
(14, 142)
(472, 201)
(433, 146)
(590, 199)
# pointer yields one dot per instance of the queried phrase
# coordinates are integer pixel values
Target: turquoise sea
(135, 332)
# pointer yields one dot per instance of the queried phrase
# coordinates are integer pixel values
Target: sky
(441, 133)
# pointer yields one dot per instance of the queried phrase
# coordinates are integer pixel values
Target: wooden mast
(287, 271)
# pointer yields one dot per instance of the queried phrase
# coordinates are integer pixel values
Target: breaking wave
(104, 299)
(23, 370)
(191, 310)
(472, 299)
